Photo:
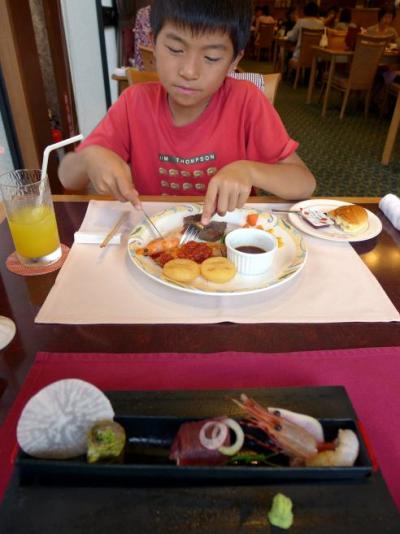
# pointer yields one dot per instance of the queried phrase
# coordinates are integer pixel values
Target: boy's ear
(237, 59)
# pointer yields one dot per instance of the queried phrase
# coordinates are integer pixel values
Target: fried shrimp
(159, 245)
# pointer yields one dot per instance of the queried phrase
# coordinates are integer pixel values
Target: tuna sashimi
(186, 448)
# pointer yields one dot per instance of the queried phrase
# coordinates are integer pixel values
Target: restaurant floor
(343, 155)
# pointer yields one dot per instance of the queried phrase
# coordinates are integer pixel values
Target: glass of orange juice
(30, 214)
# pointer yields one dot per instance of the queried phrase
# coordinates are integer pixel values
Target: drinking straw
(45, 161)
(49, 148)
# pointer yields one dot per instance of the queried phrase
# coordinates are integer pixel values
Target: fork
(191, 233)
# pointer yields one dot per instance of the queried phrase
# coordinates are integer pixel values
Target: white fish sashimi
(54, 423)
(312, 425)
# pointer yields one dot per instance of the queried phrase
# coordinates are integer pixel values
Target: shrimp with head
(288, 437)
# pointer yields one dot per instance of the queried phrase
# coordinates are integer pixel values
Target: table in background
(22, 297)
(281, 46)
(331, 56)
(122, 82)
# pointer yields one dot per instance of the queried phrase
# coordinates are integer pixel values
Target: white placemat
(100, 286)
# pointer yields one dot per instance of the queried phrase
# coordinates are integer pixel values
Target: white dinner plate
(332, 233)
(288, 262)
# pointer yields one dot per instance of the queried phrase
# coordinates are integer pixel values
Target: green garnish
(281, 514)
(249, 458)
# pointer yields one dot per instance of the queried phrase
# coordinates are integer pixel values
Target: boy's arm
(108, 172)
(230, 188)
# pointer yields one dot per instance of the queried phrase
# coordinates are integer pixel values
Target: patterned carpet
(344, 155)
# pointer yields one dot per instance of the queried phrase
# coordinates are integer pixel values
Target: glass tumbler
(30, 215)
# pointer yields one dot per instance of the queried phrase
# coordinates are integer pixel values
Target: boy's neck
(182, 116)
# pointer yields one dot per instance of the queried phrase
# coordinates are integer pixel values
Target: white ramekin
(247, 263)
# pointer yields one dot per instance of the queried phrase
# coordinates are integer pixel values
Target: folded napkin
(98, 223)
(390, 205)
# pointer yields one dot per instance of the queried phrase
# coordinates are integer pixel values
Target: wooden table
(21, 299)
(282, 45)
(331, 57)
(122, 82)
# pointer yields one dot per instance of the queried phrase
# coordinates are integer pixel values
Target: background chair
(268, 83)
(147, 56)
(308, 38)
(394, 89)
(140, 76)
(264, 39)
(367, 56)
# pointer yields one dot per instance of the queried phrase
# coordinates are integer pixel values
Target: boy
(197, 131)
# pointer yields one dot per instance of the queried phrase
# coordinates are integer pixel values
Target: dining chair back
(308, 39)
(264, 39)
(140, 76)
(268, 83)
(147, 55)
(367, 56)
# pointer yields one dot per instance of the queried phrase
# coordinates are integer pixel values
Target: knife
(152, 225)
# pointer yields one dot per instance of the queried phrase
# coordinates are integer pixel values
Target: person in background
(384, 27)
(344, 22)
(265, 18)
(257, 14)
(310, 21)
(292, 16)
(170, 137)
(332, 17)
(142, 33)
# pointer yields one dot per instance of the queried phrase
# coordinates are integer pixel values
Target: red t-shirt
(239, 123)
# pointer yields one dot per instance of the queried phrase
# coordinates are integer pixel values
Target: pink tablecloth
(371, 377)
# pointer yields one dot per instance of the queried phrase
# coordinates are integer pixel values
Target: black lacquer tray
(155, 467)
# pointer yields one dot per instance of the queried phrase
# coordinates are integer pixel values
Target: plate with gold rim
(288, 262)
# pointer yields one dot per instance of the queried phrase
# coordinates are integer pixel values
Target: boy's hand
(110, 174)
(228, 189)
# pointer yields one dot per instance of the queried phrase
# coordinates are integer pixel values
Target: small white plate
(7, 331)
(333, 233)
(289, 260)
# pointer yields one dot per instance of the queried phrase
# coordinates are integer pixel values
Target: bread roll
(352, 219)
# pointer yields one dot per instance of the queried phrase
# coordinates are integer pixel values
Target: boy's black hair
(201, 16)
(387, 9)
(311, 9)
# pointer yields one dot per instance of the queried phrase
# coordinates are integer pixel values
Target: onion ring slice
(239, 435)
(219, 433)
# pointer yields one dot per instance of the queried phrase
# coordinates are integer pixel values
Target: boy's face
(192, 68)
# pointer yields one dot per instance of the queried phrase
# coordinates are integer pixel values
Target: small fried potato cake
(218, 270)
(181, 270)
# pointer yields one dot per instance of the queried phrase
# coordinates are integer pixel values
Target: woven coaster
(13, 264)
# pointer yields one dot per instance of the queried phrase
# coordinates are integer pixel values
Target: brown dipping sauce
(250, 249)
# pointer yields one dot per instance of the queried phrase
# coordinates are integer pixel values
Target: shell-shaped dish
(54, 423)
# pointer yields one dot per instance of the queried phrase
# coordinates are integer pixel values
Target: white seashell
(54, 423)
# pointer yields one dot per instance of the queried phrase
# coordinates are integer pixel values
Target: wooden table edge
(163, 198)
